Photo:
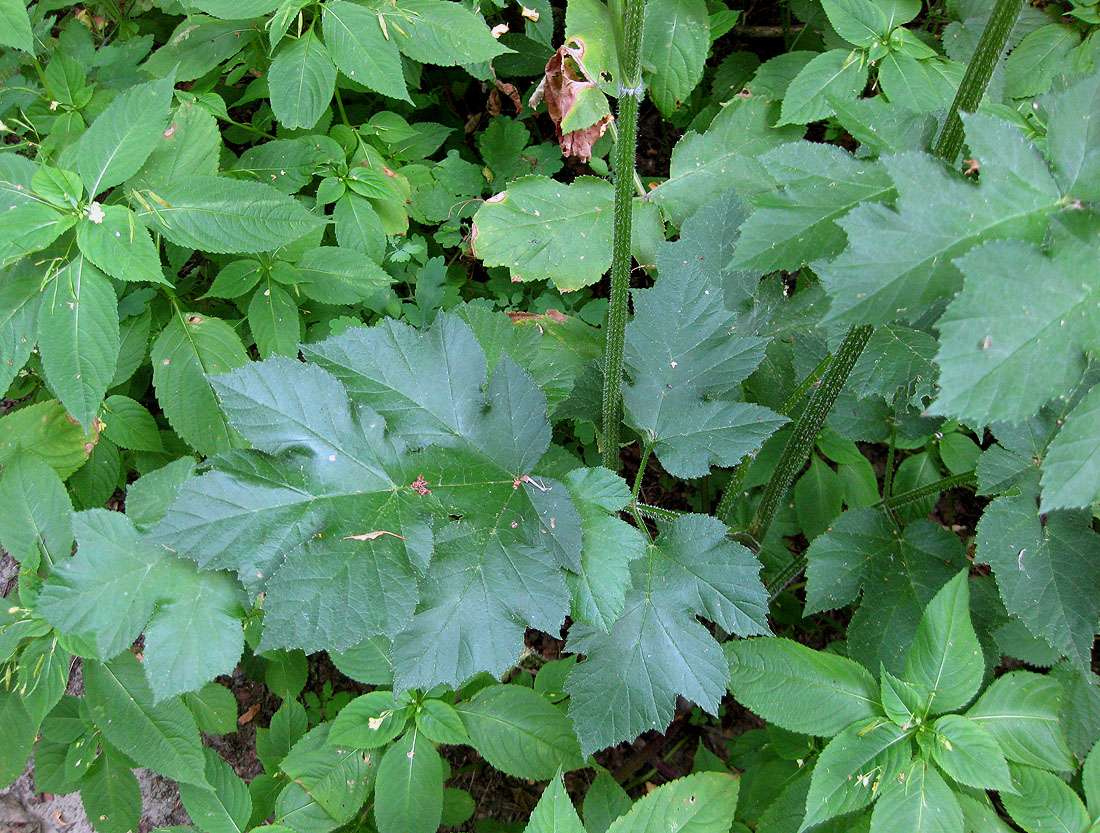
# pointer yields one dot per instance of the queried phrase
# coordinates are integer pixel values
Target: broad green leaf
(148, 497)
(610, 544)
(900, 260)
(35, 513)
(15, 30)
(1090, 779)
(43, 675)
(817, 498)
(218, 214)
(1044, 803)
(302, 78)
(328, 783)
(441, 723)
(361, 50)
(706, 165)
(133, 347)
(128, 424)
(273, 319)
(1046, 569)
(798, 688)
(945, 656)
(190, 146)
(990, 341)
(658, 649)
(964, 750)
(1072, 138)
(920, 86)
(286, 672)
(214, 708)
(45, 431)
(235, 9)
(120, 246)
(1033, 63)
(409, 788)
(188, 351)
(683, 370)
(111, 794)
(797, 224)
(897, 362)
(284, 164)
(860, 22)
(359, 227)
(838, 73)
(93, 483)
(122, 137)
(19, 732)
(25, 229)
(223, 807)
(1020, 710)
(368, 662)
(161, 736)
(20, 298)
(604, 802)
(288, 726)
(520, 733)
(118, 583)
(674, 47)
(337, 275)
(1071, 468)
(855, 767)
(78, 337)
(437, 31)
(979, 814)
(700, 803)
(332, 499)
(543, 229)
(555, 812)
(921, 803)
(899, 575)
(369, 721)
(198, 44)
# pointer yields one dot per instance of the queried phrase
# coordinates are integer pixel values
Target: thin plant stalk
(733, 487)
(628, 32)
(976, 78)
(807, 428)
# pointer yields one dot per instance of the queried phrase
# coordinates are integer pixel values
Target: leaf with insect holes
(658, 649)
(683, 371)
(395, 471)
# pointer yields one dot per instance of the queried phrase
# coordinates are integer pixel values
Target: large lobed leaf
(684, 369)
(658, 649)
(392, 490)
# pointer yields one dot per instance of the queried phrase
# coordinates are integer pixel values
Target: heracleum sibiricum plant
(306, 352)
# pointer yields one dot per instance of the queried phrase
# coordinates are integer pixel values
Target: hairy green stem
(641, 470)
(784, 578)
(977, 75)
(733, 487)
(628, 32)
(656, 513)
(897, 501)
(807, 428)
(888, 479)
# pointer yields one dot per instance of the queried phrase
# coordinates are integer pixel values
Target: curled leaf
(576, 105)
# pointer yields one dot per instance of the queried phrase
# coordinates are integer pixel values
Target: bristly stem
(733, 487)
(628, 35)
(641, 470)
(976, 78)
(807, 428)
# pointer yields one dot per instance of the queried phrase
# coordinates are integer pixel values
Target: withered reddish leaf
(565, 92)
